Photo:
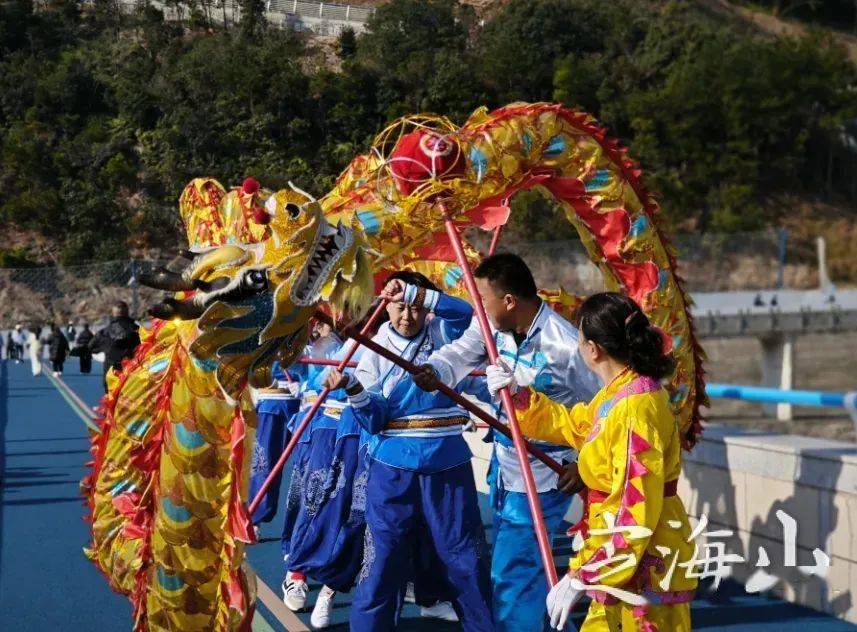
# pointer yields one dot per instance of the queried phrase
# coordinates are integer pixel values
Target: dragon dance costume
(420, 479)
(630, 460)
(547, 359)
(167, 491)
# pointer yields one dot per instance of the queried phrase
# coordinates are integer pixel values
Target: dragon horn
(301, 191)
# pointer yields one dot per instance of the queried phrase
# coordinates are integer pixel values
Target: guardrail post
(824, 283)
(782, 241)
(778, 370)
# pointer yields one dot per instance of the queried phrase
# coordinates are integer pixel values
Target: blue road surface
(47, 584)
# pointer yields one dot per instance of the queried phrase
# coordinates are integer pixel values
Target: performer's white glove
(499, 376)
(561, 600)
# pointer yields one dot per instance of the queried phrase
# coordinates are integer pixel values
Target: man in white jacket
(540, 347)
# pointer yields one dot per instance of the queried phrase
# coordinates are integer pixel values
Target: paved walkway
(45, 581)
(47, 584)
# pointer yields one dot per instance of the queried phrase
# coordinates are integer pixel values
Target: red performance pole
(324, 362)
(351, 365)
(314, 409)
(495, 240)
(506, 398)
(459, 399)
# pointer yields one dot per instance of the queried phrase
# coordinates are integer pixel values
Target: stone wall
(740, 479)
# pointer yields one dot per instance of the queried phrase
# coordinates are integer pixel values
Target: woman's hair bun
(616, 323)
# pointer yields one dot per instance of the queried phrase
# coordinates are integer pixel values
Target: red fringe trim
(139, 518)
(633, 175)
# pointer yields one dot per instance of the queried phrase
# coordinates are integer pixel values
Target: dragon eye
(256, 279)
(293, 210)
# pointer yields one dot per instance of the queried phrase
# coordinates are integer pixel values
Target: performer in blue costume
(274, 408)
(540, 347)
(320, 546)
(325, 345)
(420, 481)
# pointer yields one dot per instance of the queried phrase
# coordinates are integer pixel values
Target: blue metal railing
(846, 400)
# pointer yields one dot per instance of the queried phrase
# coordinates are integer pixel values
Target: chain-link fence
(708, 263)
(71, 293)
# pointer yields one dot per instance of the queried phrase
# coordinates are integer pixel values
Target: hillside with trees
(104, 117)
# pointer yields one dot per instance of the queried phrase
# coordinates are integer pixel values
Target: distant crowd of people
(117, 341)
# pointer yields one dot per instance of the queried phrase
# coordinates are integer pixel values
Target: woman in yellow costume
(636, 533)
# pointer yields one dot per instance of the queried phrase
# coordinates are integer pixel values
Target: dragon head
(252, 302)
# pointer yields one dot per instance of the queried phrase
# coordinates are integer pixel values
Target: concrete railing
(747, 482)
(744, 482)
(322, 18)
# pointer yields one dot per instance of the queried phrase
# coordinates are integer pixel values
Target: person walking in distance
(57, 349)
(82, 350)
(17, 340)
(118, 340)
(35, 348)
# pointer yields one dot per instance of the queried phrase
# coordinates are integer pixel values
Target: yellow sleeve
(620, 529)
(547, 420)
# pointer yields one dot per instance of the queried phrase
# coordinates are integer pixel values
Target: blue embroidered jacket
(412, 429)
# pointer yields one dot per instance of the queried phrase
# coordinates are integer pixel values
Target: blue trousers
(273, 416)
(517, 576)
(327, 539)
(297, 479)
(401, 506)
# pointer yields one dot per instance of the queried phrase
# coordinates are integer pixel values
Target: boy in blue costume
(275, 406)
(328, 477)
(325, 345)
(540, 347)
(420, 482)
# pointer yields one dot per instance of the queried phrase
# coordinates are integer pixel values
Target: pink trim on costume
(648, 626)
(521, 399)
(638, 386)
(619, 541)
(633, 496)
(638, 444)
(636, 469)
(625, 519)
(653, 598)
(599, 596)
(590, 575)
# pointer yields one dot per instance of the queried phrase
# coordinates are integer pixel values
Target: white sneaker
(409, 593)
(441, 610)
(257, 532)
(320, 617)
(294, 593)
(56, 373)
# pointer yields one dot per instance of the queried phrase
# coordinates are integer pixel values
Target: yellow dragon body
(167, 491)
